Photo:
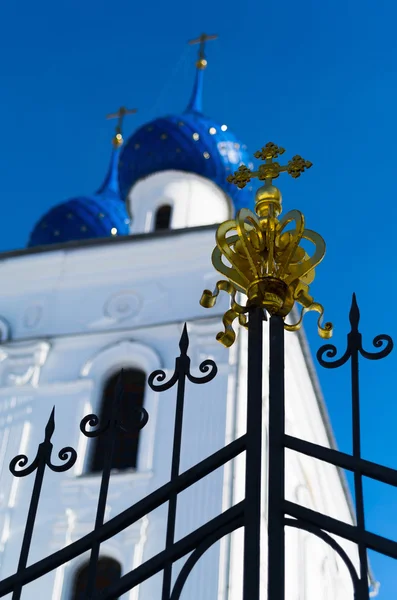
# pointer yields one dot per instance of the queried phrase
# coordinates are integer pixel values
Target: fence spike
(184, 341)
(354, 314)
(50, 427)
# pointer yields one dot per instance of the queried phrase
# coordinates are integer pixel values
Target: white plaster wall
(78, 315)
(194, 201)
(111, 287)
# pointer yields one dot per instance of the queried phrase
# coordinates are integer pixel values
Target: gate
(268, 296)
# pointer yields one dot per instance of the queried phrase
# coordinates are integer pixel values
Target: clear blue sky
(317, 77)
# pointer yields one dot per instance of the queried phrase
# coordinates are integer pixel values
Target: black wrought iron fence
(195, 543)
(247, 512)
(312, 521)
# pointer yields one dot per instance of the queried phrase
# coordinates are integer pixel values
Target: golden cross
(270, 170)
(120, 114)
(202, 63)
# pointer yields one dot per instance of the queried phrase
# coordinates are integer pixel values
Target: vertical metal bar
(252, 517)
(276, 550)
(103, 491)
(44, 448)
(42, 459)
(358, 482)
(182, 368)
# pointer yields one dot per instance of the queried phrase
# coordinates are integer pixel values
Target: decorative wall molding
(124, 479)
(18, 414)
(32, 316)
(203, 346)
(12, 396)
(121, 354)
(20, 363)
(9, 402)
(5, 330)
(123, 305)
(206, 327)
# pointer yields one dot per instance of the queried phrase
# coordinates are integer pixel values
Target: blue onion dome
(102, 214)
(190, 142)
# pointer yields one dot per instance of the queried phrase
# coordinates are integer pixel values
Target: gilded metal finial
(270, 170)
(202, 62)
(268, 264)
(117, 141)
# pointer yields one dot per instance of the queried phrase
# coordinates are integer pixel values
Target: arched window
(127, 440)
(163, 217)
(108, 571)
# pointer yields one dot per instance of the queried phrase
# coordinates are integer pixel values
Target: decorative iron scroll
(42, 460)
(181, 373)
(354, 344)
(109, 429)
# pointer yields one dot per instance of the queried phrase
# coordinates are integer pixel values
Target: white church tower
(107, 283)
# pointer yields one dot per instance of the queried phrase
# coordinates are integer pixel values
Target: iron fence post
(42, 460)
(275, 527)
(358, 482)
(181, 373)
(34, 503)
(110, 442)
(251, 584)
(183, 367)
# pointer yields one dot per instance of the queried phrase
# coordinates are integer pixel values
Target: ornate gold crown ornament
(268, 264)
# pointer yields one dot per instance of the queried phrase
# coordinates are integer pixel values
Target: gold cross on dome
(202, 62)
(270, 170)
(120, 114)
